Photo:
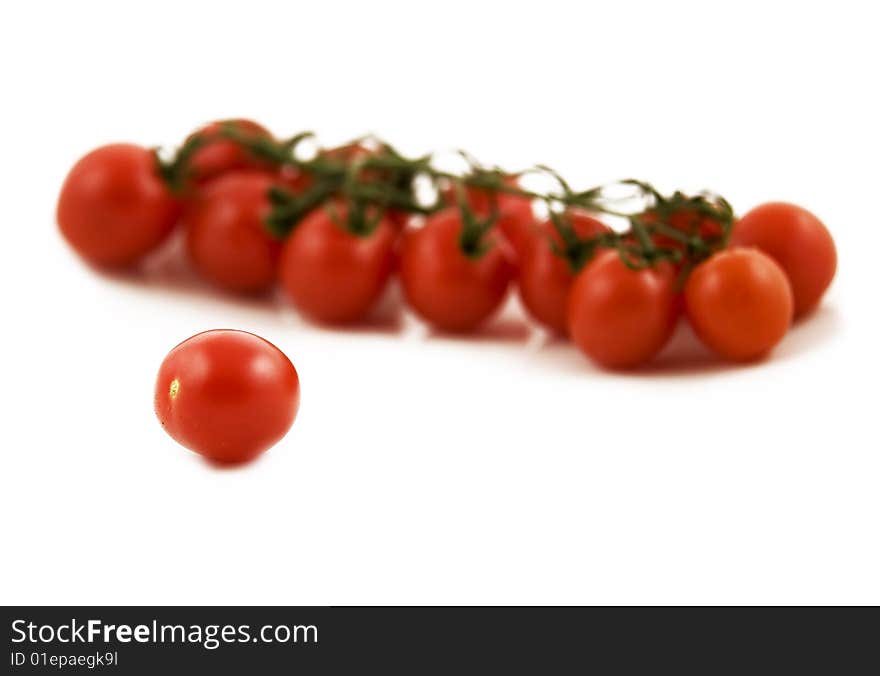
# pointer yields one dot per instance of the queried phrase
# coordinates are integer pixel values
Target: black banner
(412, 640)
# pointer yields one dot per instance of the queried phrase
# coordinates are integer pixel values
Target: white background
(422, 469)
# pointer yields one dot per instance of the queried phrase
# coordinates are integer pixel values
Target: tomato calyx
(360, 219)
(376, 177)
(265, 147)
(577, 251)
(474, 228)
(288, 208)
(178, 171)
(681, 227)
(175, 171)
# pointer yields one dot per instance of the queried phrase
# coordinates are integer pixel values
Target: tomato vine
(371, 174)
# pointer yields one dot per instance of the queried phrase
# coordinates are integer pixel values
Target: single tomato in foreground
(226, 234)
(334, 267)
(114, 207)
(546, 274)
(451, 286)
(740, 303)
(619, 317)
(798, 241)
(219, 154)
(228, 395)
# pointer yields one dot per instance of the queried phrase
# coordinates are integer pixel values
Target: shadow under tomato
(809, 332)
(508, 325)
(682, 356)
(550, 340)
(386, 318)
(502, 329)
(227, 466)
(686, 356)
(168, 271)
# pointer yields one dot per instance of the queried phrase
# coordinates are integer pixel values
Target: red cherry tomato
(451, 289)
(114, 207)
(218, 155)
(228, 395)
(799, 242)
(619, 317)
(739, 303)
(227, 238)
(545, 277)
(330, 273)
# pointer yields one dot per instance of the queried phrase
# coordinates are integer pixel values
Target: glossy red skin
(219, 155)
(799, 242)
(545, 277)
(114, 208)
(446, 287)
(740, 303)
(332, 275)
(517, 223)
(516, 220)
(621, 318)
(236, 395)
(226, 237)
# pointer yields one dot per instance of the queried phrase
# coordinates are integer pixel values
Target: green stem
(385, 179)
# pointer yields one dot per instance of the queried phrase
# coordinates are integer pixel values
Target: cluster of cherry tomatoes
(334, 227)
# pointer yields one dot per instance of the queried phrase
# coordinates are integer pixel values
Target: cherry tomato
(228, 395)
(449, 288)
(330, 273)
(516, 220)
(739, 303)
(218, 155)
(114, 207)
(799, 242)
(227, 238)
(619, 317)
(545, 276)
